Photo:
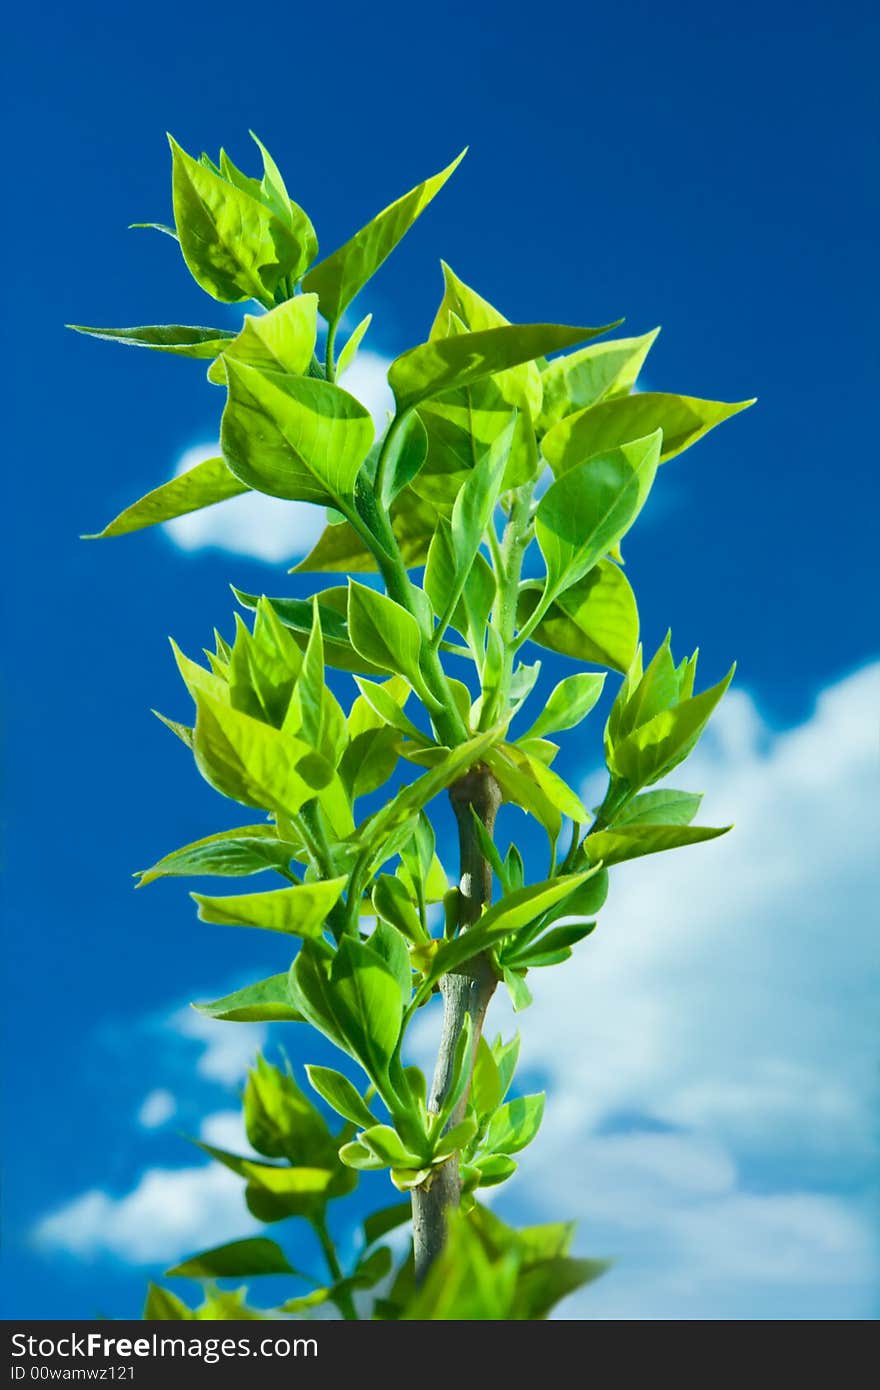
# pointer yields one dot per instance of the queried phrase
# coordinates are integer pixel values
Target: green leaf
(664, 807)
(375, 831)
(611, 424)
(555, 789)
(281, 341)
(338, 279)
(587, 510)
(281, 1121)
(238, 1259)
(349, 352)
(225, 234)
(406, 455)
(301, 910)
(594, 620)
(493, 1169)
(201, 486)
(540, 1288)
(549, 949)
(204, 343)
(164, 1306)
(293, 437)
(445, 363)
(657, 746)
(520, 994)
(526, 782)
(633, 841)
(504, 918)
(293, 232)
(311, 993)
(569, 702)
(249, 849)
(477, 499)
(296, 615)
(515, 1124)
(393, 904)
(455, 1139)
(268, 1001)
(593, 374)
(340, 1095)
(369, 761)
(367, 1004)
(587, 899)
(253, 763)
(379, 1223)
(384, 632)
(386, 1144)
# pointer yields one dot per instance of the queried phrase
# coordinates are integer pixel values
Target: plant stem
(465, 992)
(343, 1300)
(329, 361)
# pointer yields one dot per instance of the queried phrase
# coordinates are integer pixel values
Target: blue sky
(715, 1080)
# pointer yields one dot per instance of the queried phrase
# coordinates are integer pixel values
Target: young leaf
(594, 620)
(587, 510)
(454, 1139)
(569, 702)
(293, 437)
(593, 374)
(201, 486)
(505, 918)
(297, 616)
(281, 341)
(203, 343)
(349, 352)
(553, 946)
(611, 424)
(338, 279)
(664, 807)
(515, 1124)
(383, 632)
(445, 363)
(301, 910)
(387, 1145)
(225, 235)
(239, 1259)
(249, 849)
(407, 454)
(252, 762)
(633, 841)
(340, 1095)
(268, 1001)
(164, 1306)
(656, 747)
(520, 994)
(367, 1004)
(393, 904)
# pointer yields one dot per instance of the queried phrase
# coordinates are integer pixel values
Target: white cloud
(225, 1130)
(169, 1213)
(156, 1109)
(229, 1049)
(710, 1051)
(367, 378)
(266, 527)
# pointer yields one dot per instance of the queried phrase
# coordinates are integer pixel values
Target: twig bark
(465, 992)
